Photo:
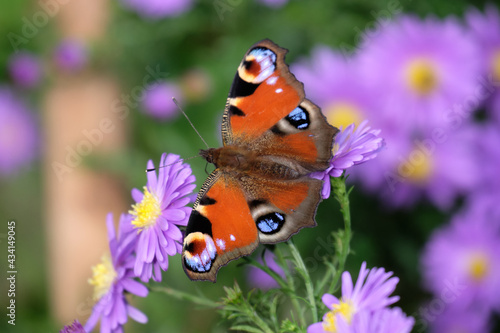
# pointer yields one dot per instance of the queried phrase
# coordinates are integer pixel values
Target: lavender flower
(70, 55)
(158, 213)
(25, 69)
(274, 3)
(465, 254)
(337, 85)
(433, 165)
(113, 277)
(75, 327)
(157, 100)
(351, 147)
(18, 134)
(257, 278)
(458, 319)
(369, 296)
(486, 30)
(421, 70)
(380, 321)
(157, 9)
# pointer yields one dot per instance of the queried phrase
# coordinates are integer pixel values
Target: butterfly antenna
(166, 165)
(190, 123)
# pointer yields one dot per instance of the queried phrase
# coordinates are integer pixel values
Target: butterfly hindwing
(280, 208)
(220, 228)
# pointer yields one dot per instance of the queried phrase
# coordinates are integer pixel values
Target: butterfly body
(260, 191)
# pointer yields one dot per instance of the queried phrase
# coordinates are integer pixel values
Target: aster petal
(92, 321)
(137, 195)
(151, 176)
(136, 314)
(152, 244)
(157, 272)
(174, 214)
(135, 287)
(316, 328)
(329, 300)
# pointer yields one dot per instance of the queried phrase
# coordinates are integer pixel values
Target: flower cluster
(364, 306)
(146, 237)
(418, 81)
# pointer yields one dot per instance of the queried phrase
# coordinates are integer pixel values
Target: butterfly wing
(280, 208)
(267, 107)
(220, 228)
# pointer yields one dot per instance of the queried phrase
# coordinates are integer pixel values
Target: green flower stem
(342, 196)
(301, 268)
(291, 286)
(187, 297)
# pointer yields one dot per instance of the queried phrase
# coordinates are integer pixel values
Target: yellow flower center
(103, 275)
(343, 114)
(417, 168)
(421, 76)
(147, 211)
(496, 65)
(345, 309)
(478, 267)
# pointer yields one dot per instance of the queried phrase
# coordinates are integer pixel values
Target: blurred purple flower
(18, 134)
(338, 87)
(274, 3)
(380, 321)
(25, 69)
(157, 100)
(486, 31)
(370, 294)
(113, 277)
(75, 327)
(433, 165)
(453, 320)
(257, 278)
(157, 214)
(351, 147)
(464, 254)
(157, 9)
(421, 69)
(70, 55)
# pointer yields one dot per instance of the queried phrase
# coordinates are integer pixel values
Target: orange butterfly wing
(221, 228)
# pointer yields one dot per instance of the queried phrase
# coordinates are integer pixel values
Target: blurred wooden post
(78, 119)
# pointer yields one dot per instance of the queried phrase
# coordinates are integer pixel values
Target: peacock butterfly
(260, 192)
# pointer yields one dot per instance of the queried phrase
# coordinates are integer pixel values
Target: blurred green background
(212, 43)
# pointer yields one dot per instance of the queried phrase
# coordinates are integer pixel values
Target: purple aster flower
(486, 30)
(75, 327)
(157, 100)
(421, 70)
(455, 319)
(18, 134)
(380, 321)
(463, 256)
(70, 55)
(113, 277)
(157, 9)
(274, 3)
(434, 165)
(351, 147)
(25, 69)
(370, 294)
(337, 85)
(257, 278)
(157, 214)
